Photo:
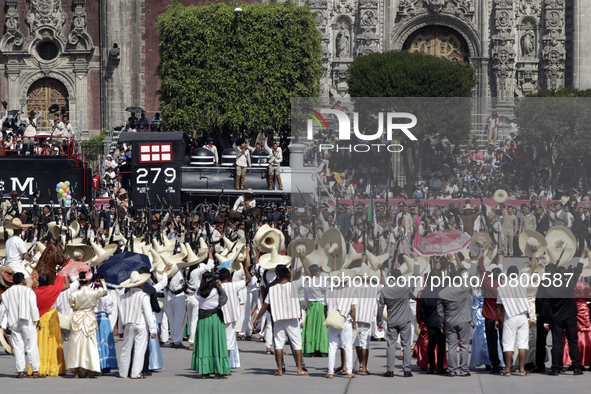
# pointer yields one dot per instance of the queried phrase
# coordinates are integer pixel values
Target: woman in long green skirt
(210, 351)
(314, 332)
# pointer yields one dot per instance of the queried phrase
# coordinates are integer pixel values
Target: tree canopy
(417, 75)
(557, 124)
(227, 71)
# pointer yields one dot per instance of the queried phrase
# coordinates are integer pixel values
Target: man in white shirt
(343, 300)
(247, 199)
(231, 309)
(174, 307)
(512, 302)
(16, 251)
(19, 303)
(242, 161)
(275, 159)
(212, 148)
(135, 314)
(284, 304)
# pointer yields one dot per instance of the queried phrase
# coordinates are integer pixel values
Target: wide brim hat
(9, 233)
(135, 279)
(193, 258)
(529, 237)
(410, 265)
(71, 248)
(500, 196)
(240, 141)
(586, 268)
(376, 261)
(270, 261)
(122, 191)
(4, 342)
(249, 191)
(267, 238)
(350, 258)
(102, 254)
(166, 258)
(16, 224)
(481, 239)
(526, 267)
(332, 242)
(560, 238)
(159, 248)
(292, 248)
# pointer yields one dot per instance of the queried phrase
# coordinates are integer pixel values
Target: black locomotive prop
(165, 170)
(38, 176)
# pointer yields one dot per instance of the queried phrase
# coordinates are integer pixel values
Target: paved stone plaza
(256, 376)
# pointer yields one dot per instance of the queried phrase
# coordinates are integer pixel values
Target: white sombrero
(559, 239)
(270, 261)
(135, 279)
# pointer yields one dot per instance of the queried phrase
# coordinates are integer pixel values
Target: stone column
(580, 57)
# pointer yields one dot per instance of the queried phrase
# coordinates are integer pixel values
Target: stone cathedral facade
(98, 56)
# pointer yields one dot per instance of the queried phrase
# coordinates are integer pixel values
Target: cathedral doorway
(440, 41)
(45, 92)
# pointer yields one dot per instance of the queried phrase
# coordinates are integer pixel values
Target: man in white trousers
(174, 307)
(20, 304)
(231, 309)
(342, 299)
(135, 320)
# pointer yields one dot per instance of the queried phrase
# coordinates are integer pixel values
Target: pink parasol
(443, 242)
(73, 268)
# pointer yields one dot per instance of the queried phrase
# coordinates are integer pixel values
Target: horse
(51, 261)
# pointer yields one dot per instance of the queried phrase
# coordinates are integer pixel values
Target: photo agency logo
(394, 121)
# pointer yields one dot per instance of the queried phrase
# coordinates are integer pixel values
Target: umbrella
(118, 268)
(135, 110)
(73, 268)
(443, 242)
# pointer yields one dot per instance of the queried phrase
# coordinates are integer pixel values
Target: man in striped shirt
(231, 309)
(344, 300)
(284, 302)
(19, 303)
(512, 303)
(135, 320)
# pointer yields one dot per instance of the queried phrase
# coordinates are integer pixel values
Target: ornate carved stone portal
(440, 41)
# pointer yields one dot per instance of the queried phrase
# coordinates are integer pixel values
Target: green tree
(223, 71)
(417, 75)
(557, 124)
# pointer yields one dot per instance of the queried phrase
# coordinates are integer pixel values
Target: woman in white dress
(83, 354)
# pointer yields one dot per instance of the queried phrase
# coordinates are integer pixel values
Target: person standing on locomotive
(242, 161)
(275, 159)
(212, 148)
(12, 207)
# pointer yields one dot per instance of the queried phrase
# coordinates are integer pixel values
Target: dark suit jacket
(543, 224)
(428, 306)
(562, 298)
(150, 291)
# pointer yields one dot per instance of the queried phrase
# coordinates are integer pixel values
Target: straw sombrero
(16, 224)
(294, 247)
(101, 254)
(408, 268)
(135, 279)
(76, 248)
(560, 238)
(529, 238)
(270, 261)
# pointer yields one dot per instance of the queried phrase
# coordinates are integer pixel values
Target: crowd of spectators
(446, 171)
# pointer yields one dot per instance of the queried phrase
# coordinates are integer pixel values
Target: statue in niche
(528, 43)
(343, 43)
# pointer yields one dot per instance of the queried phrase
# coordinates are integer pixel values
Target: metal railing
(39, 146)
